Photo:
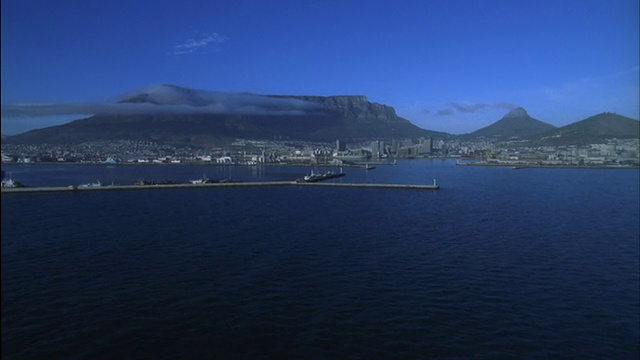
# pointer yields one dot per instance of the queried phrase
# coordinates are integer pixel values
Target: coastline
(518, 166)
(359, 165)
(354, 165)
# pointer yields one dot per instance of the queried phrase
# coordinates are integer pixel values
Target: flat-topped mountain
(516, 123)
(173, 114)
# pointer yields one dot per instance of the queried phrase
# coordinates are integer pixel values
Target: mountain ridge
(179, 115)
(594, 129)
(203, 118)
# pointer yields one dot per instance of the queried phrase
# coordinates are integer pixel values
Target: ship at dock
(315, 177)
(10, 182)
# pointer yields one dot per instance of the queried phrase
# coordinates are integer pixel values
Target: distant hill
(185, 116)
(594, 129)
(516, 123)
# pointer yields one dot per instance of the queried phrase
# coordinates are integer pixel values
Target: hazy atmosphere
(452, 66)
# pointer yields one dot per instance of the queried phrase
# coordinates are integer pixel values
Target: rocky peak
(516, 113)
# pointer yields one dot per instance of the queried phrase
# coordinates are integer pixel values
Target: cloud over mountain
(169, 99)
(458, 107)
(178, 115)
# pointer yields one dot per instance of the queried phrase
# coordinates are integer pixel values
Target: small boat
(153, 182)
(202, 180)
(10, 183)
(145, 182)
(368, 167)
(312, 177)
(90, 185)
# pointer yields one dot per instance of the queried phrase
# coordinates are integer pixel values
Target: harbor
(44, 189)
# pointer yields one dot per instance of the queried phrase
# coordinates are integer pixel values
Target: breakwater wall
(31, 190)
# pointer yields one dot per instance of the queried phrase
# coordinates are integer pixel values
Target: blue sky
(452, 66)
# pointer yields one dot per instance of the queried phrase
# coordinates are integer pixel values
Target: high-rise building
(377, 148)
(426, 146)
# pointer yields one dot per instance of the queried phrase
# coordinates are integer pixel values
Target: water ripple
(325, 273)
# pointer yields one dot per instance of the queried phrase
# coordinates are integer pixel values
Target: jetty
(24, 190)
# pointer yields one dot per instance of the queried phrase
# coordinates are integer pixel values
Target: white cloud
(467, 107)
(193, 45)
(158, 100)
(168, 99)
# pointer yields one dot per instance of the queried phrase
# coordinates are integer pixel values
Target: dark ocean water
(499, 263)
